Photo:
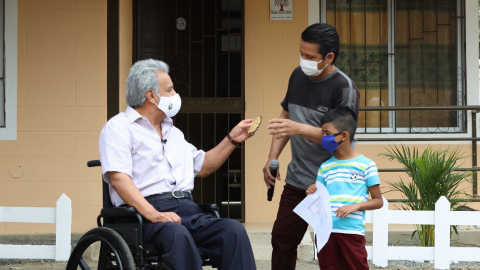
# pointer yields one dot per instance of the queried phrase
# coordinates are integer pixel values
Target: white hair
(143, 77)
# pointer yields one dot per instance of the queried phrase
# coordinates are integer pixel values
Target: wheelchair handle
(94, 163)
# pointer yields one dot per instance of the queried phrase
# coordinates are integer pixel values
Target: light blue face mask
(329, 143)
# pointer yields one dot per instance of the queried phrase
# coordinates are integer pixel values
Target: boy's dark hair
(325, 36)
(343, 119)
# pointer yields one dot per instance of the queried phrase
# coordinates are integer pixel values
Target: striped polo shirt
(347, 182)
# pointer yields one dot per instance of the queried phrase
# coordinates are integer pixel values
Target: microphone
(164, 141)
(273, 170)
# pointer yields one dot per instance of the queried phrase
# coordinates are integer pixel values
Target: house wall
(271, 54)
(61, 110)
(62, 105)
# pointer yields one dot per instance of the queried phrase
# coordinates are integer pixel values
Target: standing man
(314, 88)
(149, 165)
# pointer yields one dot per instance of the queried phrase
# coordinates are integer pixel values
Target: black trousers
(224, 241)
(288, 229)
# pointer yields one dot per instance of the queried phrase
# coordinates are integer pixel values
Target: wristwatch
(232, 140)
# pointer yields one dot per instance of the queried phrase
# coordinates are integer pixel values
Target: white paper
(316, 210)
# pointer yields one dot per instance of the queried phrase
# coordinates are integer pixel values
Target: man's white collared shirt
(131, 145)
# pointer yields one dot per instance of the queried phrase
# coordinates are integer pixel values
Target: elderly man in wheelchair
(150, 166)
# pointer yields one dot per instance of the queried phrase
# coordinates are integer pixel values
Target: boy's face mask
(329, 143)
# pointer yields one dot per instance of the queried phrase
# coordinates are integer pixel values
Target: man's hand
(240, 132)
(344, 211)
(311, 189)
(283, 128)
(268, 177)
(217, 156)
(162, 217)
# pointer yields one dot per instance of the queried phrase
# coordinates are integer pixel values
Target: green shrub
(433, 175)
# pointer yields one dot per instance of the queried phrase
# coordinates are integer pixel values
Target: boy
(349, 177)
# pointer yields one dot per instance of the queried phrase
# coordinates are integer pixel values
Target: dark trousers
(224, 241)
(343, 251)
(288, 229)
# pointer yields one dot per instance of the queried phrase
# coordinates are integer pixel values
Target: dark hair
(325, 36)
(343, 119)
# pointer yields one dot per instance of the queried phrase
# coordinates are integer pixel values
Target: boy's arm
(311, 189)
(375, 203)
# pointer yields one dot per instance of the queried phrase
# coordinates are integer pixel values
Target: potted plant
(433, 174)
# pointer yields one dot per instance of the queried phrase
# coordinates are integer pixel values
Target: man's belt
(174, 194)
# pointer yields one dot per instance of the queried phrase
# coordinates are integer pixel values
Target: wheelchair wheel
(114, 252)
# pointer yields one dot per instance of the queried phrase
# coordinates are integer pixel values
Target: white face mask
(170, 105)
(310, 67)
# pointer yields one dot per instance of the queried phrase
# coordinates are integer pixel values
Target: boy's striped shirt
(347, 182)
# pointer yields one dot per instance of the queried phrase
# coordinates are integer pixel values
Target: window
(403, 54)
(8, 69)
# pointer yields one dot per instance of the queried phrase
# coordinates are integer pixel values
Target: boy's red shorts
(343, 251)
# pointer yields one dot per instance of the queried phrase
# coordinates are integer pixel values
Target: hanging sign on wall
(281, 10)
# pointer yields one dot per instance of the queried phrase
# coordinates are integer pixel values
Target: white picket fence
(442, 254)
(60, 215)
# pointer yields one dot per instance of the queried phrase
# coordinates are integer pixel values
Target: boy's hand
(311, 189)
(345, 210)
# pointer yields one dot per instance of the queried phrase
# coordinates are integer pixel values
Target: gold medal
(255, 124)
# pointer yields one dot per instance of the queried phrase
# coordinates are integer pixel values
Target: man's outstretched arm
(217, 156)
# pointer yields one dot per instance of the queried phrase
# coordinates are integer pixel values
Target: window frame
(9, 131)
(467, 64)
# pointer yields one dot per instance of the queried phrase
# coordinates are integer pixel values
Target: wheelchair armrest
(113, 212)
(118, 211)
(210, 209)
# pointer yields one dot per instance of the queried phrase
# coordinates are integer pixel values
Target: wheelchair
(121, 243)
